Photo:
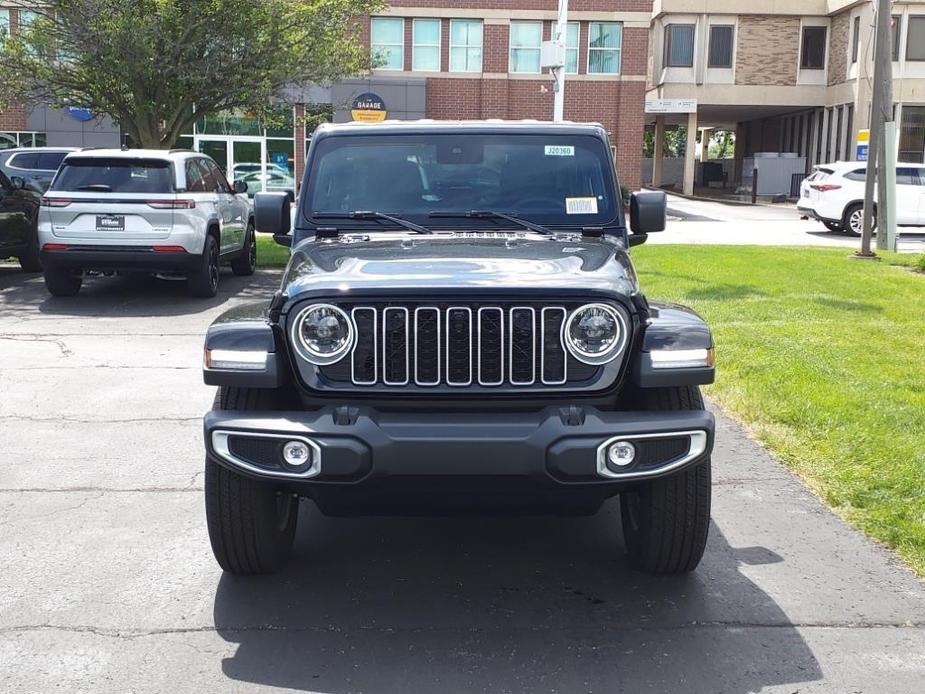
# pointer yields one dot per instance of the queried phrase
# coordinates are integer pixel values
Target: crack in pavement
(65, 350)
(135, 633)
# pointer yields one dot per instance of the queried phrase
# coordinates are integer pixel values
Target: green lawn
(270, 253)
(822, 357)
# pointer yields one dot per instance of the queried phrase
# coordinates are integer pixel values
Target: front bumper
(121, 258)
(557, 447)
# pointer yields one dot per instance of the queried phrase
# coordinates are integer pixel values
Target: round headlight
(595, 333)
(323, 334)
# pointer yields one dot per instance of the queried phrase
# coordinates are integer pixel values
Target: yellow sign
(863, 136)
(368, 108)
(367, 116)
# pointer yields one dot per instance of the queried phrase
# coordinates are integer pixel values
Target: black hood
(458, 261)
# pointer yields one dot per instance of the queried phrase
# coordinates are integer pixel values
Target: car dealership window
(812, 48)
(720, 53)
(605, 41)
(572, 34)
(9, 140)
(425, 45)
(679, 45)
(388, 42)
(465, 45)
(915, 38)
(526, 38)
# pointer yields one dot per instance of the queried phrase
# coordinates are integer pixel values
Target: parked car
(19, 209)
(36, 166)
(455, 347)
(834, 195)
(144, 211)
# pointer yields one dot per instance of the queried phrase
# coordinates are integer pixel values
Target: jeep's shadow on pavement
(502, 604)
(128, 295)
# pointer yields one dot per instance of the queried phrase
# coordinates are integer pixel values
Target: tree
(156, 66)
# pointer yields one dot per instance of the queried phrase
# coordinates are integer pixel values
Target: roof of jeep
(457, 126)
(164, 154)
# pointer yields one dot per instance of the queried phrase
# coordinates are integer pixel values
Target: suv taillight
(55, 202)
(172, 204)
(824, 187)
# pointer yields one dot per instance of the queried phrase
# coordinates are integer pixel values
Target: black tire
(666, 521)
(251, 523)
(204, 281)
(30, 260)
(852, 220)
(837, 227)
(246, 263)
(62, 282)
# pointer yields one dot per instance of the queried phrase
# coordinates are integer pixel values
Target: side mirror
(239, 186)
(18, 182)
(648, 211)
(272, 215)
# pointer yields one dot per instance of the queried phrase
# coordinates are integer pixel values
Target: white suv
(834, 194)
(152, 211)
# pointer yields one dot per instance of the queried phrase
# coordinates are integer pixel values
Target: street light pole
(881, 111)
(559, 34)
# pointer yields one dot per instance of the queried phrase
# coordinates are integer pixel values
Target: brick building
(436, 59)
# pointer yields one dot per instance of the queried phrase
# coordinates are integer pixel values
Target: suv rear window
(115, 175)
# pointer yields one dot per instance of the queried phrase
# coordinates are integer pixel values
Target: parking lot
(108, 582)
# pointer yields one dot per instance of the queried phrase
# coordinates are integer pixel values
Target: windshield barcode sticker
(560, 151)
(581, 206)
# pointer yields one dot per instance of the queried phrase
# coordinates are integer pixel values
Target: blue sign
(281, 159)
(81, 114)
(861, 154)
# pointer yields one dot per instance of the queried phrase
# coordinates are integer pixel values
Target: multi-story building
(791, 77)
(435, 59)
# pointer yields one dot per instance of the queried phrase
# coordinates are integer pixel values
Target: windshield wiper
(489, 214)
(372, 214)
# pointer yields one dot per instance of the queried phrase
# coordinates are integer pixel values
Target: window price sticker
(560, 151)
(581, 206)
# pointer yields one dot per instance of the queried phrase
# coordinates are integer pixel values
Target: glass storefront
(912, 134)
(260, 153)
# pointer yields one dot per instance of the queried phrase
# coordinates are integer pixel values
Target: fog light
(621, 454)
(297, 454)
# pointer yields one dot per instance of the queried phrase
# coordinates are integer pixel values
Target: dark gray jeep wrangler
(459, 329)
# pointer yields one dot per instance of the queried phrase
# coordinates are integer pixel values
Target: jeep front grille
(501, 345)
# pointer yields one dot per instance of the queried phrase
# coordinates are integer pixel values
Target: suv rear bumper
(555, 448)
(108, 258)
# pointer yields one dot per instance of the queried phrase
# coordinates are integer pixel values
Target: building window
(720, 46)
(915, 38)
(812, 48)
(425, 48)
(4, 22)
(465, 45)
(388, 43)
(855, 39)
(26, 18)
(9, 140)
(605, 41)
(679, 45)
(912, 132)
(896, 23)
(526, 38)
(572, 34)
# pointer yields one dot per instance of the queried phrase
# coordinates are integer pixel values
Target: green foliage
(722, 144)
(156, 66)
(675, 143)
(920, 263)
(820, 355)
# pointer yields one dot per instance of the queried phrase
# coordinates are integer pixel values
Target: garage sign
(368, 108)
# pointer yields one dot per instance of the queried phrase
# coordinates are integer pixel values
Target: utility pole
(881, 111)
(558, 72)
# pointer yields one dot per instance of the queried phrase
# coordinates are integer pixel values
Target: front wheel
(251, 522)
(666, 521)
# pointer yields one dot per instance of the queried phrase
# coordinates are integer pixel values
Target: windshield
(115, 175)
(564, 180)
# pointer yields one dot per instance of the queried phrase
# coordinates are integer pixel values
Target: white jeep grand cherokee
(148, 211)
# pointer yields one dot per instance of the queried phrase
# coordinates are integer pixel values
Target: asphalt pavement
(107, 583)
(710, 222)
